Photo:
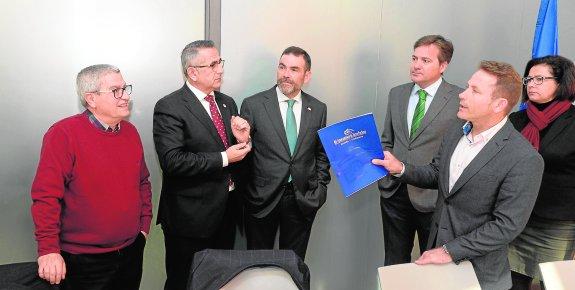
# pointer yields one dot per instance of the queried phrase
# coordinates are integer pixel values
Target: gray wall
(360, 49)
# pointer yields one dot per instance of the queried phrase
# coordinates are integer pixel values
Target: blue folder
(350, 146)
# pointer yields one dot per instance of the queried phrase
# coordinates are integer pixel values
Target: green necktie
(291, 127)
(419, 112)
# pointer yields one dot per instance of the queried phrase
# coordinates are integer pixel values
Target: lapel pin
(224, 105)
(309, 109)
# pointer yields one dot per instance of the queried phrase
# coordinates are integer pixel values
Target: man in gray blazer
(488, 177)
(418, 114)
(288, 170)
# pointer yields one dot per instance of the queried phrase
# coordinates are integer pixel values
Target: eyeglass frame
(124, 90)
(211, 65)
(537, 80)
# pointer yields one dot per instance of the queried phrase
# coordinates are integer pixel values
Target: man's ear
(443, 66)
(90, 99)
(307, 76)
(500, 105)
(192, 73)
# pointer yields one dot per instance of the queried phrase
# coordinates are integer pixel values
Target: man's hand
(240, 129)
(51, 267)
(237, 152)
(434, 256)
(392, 164)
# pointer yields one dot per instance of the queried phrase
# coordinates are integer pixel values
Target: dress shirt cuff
(402, 171)
(224, 159)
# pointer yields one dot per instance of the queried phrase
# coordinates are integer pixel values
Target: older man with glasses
(200, 141)
(91, 195)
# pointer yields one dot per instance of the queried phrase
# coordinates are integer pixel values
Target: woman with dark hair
(548, 124)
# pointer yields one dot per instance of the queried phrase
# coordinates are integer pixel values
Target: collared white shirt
(201, 95)
(431, 90)
(467, 149)
(282, 99)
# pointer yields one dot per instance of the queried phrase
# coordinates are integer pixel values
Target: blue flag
(546, 39)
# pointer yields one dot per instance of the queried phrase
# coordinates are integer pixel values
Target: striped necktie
(419, 112)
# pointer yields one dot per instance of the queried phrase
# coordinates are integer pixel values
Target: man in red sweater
(91, 195)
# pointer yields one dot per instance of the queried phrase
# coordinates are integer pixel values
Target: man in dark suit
(288, 168)
(488, 177)
(195, 129)
(418, 114)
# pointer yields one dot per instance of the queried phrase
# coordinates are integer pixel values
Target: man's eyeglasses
(119, 92)
(212, 65)
(536, 80)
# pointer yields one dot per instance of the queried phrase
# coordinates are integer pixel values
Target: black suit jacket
(195, 185)
(556, 199)
(270, 163)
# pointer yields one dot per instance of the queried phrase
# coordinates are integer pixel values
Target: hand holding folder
(350, 146)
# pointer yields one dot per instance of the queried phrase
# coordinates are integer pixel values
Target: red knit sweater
(91, 192)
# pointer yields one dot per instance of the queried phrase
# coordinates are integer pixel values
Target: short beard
(284, 91)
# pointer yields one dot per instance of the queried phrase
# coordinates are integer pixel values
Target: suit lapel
(437, 104)
(403, 105)
(195, 107)
(306, 111)
(557, 127)
(274, 115)
(447, 161)
(226, 117)
(491, 149)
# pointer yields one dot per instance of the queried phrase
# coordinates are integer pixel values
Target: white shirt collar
(283, 98)
(486, 135)
(431, 90)
(199, 94)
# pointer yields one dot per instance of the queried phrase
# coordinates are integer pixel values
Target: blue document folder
(350, 146)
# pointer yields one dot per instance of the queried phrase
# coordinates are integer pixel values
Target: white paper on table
(414, 277)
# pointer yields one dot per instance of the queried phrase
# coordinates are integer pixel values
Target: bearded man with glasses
(91, 195)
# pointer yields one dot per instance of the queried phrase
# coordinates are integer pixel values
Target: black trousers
(294, 226)
(180, 250)
(523, 282)
(400, 222)
(121, 269)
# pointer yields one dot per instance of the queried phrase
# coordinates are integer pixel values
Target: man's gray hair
(191, 51)
(88, 79)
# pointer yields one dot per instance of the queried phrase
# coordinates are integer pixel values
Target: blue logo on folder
(350, 146)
